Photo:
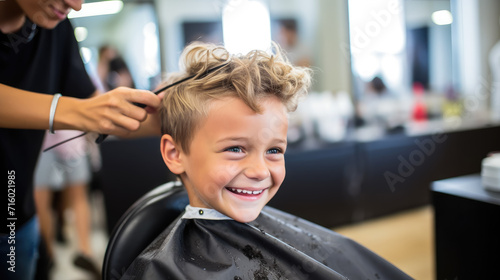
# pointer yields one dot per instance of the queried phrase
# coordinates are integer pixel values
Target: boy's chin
(245, 216)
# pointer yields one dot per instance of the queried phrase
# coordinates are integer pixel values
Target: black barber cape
(204, 244)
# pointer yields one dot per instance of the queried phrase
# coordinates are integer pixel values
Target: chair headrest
(141, 224)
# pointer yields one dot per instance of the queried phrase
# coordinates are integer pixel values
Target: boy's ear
(171, 154)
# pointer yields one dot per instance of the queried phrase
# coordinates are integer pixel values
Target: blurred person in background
(66, 169)
(112, 69)
(378, 106)
(288, 39)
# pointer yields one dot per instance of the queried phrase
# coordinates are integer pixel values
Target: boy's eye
(234, 149)
(274, 151)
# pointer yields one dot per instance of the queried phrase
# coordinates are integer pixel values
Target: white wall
(332, 60)
(476, 31)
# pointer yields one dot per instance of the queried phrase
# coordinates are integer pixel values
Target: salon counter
(466, 228)
(330, 184)
(347, 182)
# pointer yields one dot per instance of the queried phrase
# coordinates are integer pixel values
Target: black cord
(62, 142)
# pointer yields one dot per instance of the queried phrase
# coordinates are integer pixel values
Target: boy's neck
(12, 17)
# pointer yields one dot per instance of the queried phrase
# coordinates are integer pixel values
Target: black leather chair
(140, 225)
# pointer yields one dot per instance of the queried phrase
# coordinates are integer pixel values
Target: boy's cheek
(278, 174)
(223, 175)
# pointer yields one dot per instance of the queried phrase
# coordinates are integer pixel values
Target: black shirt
(44, 61)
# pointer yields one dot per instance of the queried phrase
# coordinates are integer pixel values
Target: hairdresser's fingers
(150, 102)
(151, 110)
(133, 111)
(110, 113)
(144, 97)
(161, 95)
(119, 125)
(116, 108)
(120, 100)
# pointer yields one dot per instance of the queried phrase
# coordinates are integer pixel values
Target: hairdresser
(44, 85)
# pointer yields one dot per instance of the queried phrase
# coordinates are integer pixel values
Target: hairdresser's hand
(152, 125)
(111, 113)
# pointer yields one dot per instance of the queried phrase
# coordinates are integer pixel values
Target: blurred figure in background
(119, 74)
(106, 54)
(67, 169)
(380, 107)
(288, 38)
(112, 69)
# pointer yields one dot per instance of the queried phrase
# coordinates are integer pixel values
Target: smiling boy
(231, 165)
(225, 135)
(230, 155)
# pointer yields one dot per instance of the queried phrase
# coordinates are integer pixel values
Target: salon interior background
(151, 34)
(444, 45)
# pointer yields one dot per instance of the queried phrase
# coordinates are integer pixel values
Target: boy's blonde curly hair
(247, 77)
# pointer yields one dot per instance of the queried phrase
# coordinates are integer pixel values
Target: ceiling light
(442, 17)
(98, 9)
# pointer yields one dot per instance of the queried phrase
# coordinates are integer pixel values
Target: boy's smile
(236, 160)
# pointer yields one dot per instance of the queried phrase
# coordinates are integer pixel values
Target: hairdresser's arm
(111, 113)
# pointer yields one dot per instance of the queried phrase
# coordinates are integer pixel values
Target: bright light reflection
(81, 33)
(367, 66)
(246, 26)
(86, 54)
(376, 26)
(377, 39)
(442, 17)
(151, 49)
(98, 9)
(392, 69)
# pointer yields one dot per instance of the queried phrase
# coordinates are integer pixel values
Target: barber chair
(140, 225)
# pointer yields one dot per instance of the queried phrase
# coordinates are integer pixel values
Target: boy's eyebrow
(231, 138)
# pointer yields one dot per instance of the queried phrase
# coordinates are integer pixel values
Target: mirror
(131, 37)
(420, 60)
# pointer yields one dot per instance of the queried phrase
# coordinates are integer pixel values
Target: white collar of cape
(208, 214)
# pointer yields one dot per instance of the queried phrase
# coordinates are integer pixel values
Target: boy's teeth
(245, 191)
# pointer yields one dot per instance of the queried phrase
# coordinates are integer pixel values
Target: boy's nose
(257, 169)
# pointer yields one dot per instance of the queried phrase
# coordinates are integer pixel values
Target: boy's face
(236, 159)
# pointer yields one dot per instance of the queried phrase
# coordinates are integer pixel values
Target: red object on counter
(419, 107)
